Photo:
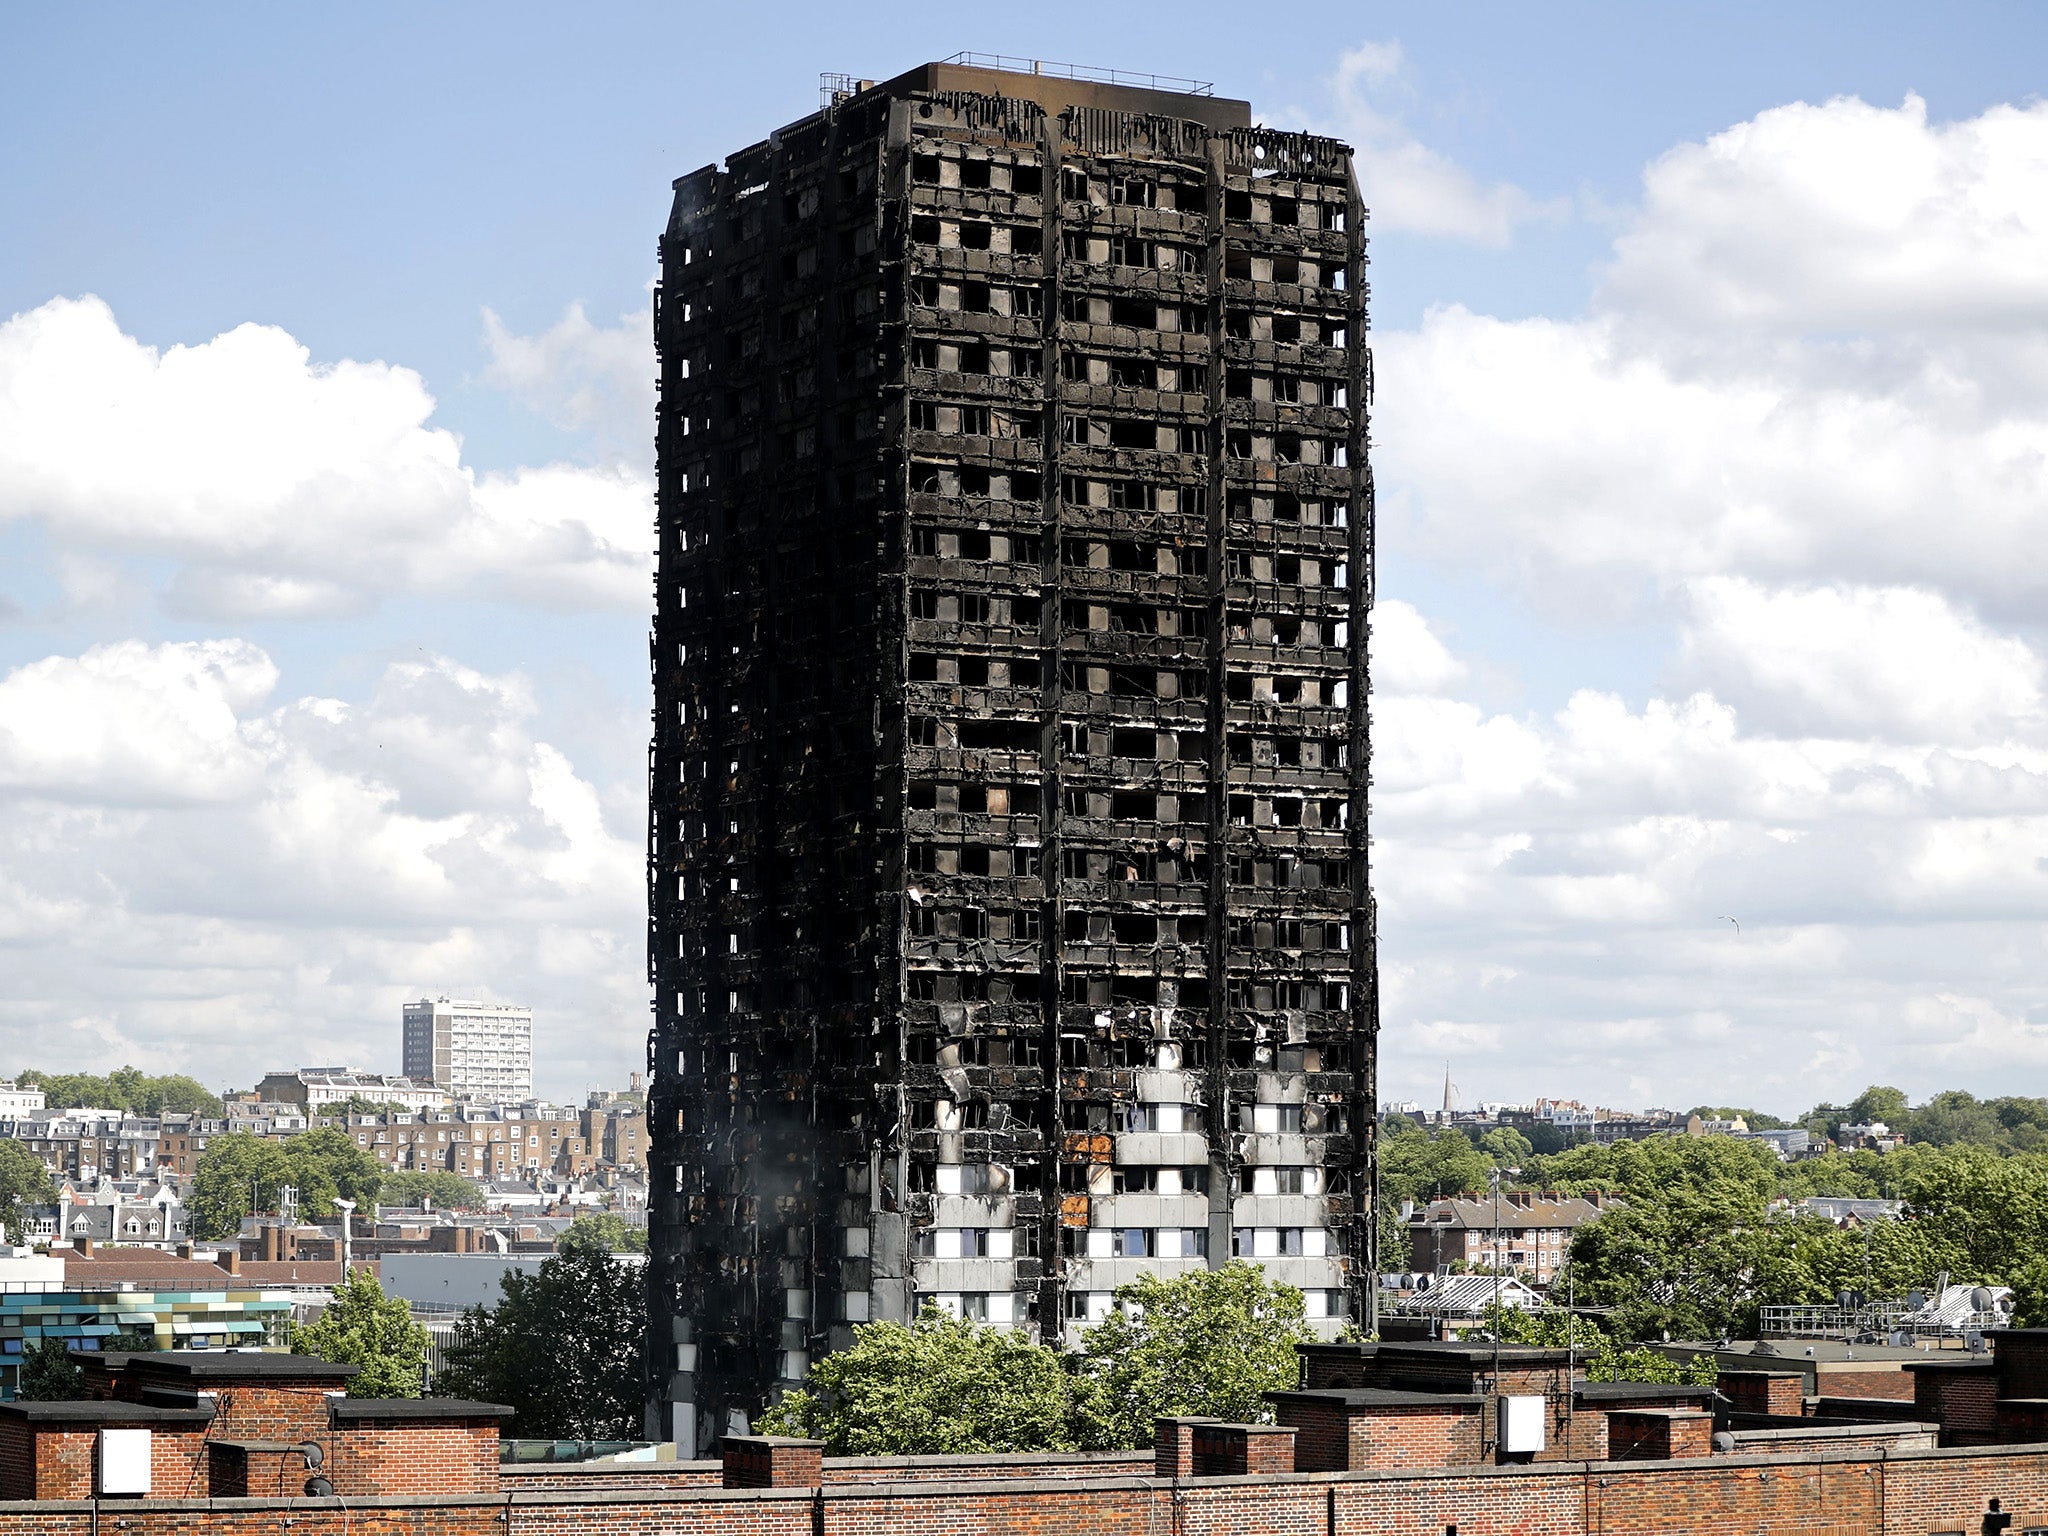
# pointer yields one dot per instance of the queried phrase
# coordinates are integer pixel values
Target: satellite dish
(1974, 1342)
(1915, 1300)
(1855, 1301)
(319, 1488)
(1980, 1299)
(313, 1453)
(1724, 1442)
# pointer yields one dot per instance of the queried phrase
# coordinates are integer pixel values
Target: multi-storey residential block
(323, 1090)
(482, 1052)
(1009, 913)
(1522, 1232)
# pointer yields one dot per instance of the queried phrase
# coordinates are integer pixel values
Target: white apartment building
(482, 1052)
(16, 1101)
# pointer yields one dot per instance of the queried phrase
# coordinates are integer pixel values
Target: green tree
(327, 1165)
(565, 1346)
(1878, 1103)
(24, 1184)
(1211, 1342)
(50, 1375)
(449, 1191)
(364, 1327)
(604, 1231)
(1755, 1119)
(235, 1171)
(1418, 1164)
(126, 1088)
(1507, 1146)
(936, 1386)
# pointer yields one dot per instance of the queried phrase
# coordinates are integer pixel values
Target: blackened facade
(1009, 913)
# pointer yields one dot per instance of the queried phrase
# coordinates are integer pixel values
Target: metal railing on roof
(1022, 66)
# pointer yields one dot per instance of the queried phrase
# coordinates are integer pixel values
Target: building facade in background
(1009, 914)
(477, 1051)
(323, 1090)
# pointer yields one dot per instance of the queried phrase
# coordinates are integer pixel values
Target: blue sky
(1656, 600)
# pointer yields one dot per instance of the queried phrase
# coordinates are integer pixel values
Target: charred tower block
(1008, 904)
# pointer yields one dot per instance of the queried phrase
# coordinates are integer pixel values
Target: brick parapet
(1797, 1495)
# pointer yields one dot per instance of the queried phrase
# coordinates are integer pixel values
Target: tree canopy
(936, 1386)
(362, 1326)
(50, 1375)
(448, 1191)
(565, 1346)
(321, 1165)
(126, 1088)
(24, 1184)
(604, 1231)
(1210, 1343)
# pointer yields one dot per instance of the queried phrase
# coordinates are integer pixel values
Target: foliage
(356, 1104)
(1605, 1359)
(1210, 1343)
(2009, 1124)
(1755, 1119)
(320, 1165)
(235, 1170)
(362, 1326)
(448, 1191)
(1648, 1169)
(125, 1089)
(1507, 1146)
(565, 1346)
(1421, 1164)
(937, 1386)
(50, 1375)
(605, 1232)
(24, 1184)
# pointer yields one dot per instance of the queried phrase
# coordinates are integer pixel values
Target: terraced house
(1008, 897)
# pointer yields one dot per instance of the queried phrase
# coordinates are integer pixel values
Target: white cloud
(1406, 184)
(200, 876)
(1820, 356)
(583, 377)
(1846, 217)
(278, 487)
(1889, 662)
(1407, 656)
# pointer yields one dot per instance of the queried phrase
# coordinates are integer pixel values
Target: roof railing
(1022, 66)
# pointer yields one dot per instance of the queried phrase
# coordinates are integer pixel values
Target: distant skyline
(1712, 361)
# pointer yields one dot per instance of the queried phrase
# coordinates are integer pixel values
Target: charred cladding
(1009, 916)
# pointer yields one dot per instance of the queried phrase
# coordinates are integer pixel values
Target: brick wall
(1962, 1400)
(399, 1457)
(1450, 1436)
(1659, 1434)
(1779, 1393)
(1831, 1494)
(1242, 1450)
(1876, 1381)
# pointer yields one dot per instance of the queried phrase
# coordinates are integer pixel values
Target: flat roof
(1378, 1397)
(350, 1409)
(1056, 93)
(104, 1411)
(1618, 1391)
(217, 1364)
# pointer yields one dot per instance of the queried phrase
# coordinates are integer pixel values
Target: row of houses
(87, 1147)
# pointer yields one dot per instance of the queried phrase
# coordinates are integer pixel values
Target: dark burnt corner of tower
(1008, 905)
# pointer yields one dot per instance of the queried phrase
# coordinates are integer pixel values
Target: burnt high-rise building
(1008, 905)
